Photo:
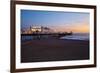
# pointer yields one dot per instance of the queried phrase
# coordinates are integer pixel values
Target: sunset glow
(57, 21)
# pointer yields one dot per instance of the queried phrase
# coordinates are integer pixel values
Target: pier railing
(46, 35)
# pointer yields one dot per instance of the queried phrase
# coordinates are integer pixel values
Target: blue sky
(55, 19)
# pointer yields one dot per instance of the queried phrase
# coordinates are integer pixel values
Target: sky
(56, 20)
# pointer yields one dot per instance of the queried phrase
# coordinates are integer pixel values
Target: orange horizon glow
(76, 28)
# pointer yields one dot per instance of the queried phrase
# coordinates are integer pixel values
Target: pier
(44, 32)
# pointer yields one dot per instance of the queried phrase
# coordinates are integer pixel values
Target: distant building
(35, 29)
(40, 29)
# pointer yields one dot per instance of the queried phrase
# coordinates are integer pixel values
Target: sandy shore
(54, 50)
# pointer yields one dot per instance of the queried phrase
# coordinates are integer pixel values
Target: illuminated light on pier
(36, 29)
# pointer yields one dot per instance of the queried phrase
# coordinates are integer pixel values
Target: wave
(77, 36)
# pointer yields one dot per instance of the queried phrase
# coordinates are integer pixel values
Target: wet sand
(54, 50)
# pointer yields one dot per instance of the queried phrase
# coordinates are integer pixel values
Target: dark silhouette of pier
(49, 35)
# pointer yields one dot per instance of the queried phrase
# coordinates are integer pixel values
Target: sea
(74, 36)
(77, 36)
